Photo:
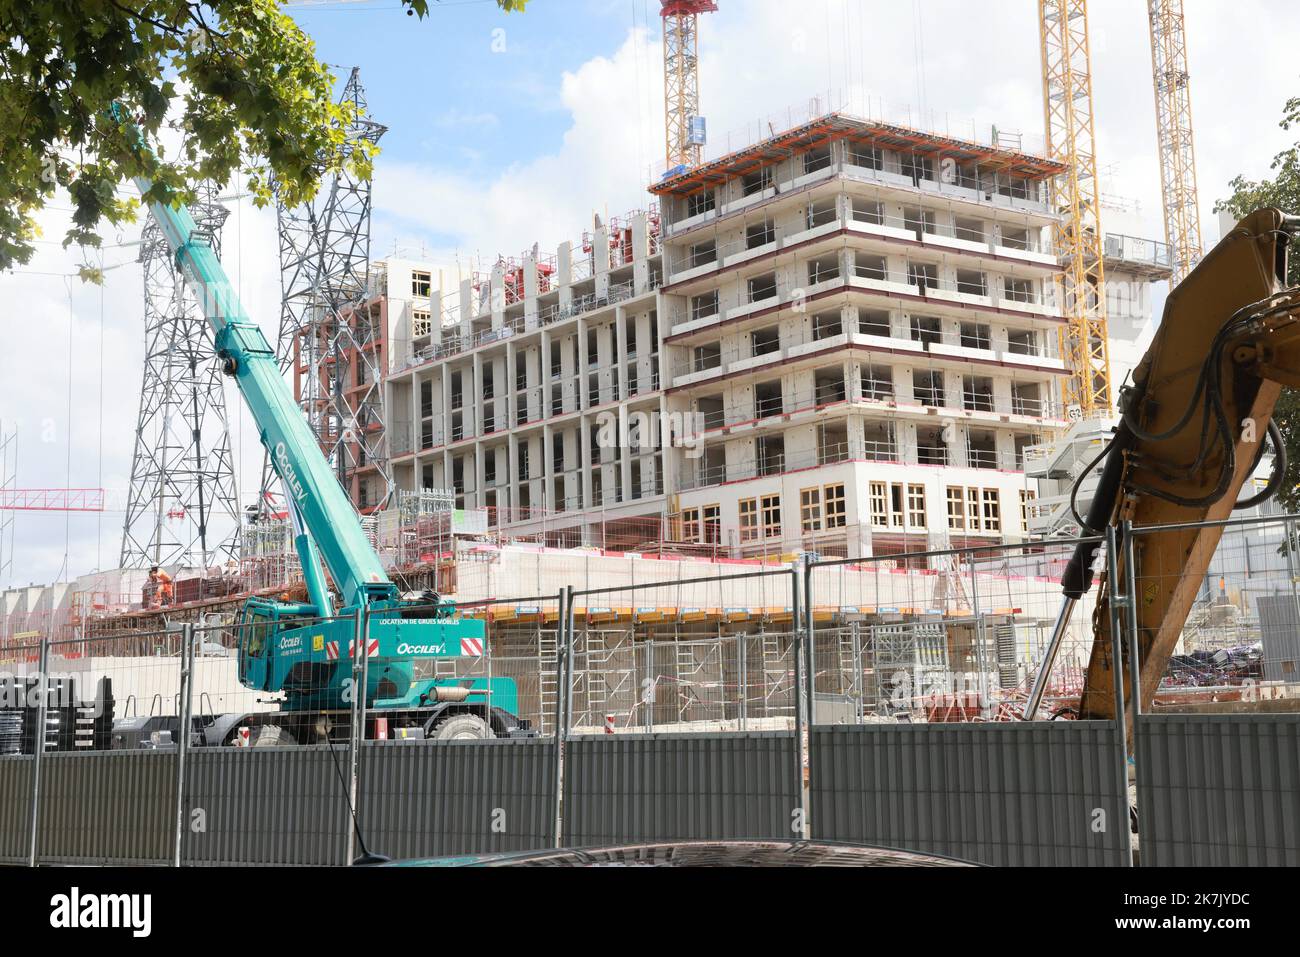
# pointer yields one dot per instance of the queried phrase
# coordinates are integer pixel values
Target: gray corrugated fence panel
(107, 807)
(1003, 793)
(284, 805)
(1219, 790)
(1279, 627)
(440, 798)
(15, 807)
(628, 788)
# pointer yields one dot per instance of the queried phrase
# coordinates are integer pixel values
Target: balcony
(1142, 252)
(931, 455)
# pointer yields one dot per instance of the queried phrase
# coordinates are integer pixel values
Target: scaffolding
(182, 506)
(332, 333)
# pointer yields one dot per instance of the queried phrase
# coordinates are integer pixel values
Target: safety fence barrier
(874, 700)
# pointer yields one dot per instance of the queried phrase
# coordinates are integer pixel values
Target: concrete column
(467, 304)
(584, 399)
(480, 480)
(1005, 443)
(514, 481)
(640, 253)
(620, 353)
(585, 467)
(435, 317)
(957, 457)
(531, 290)
(564, 273)
(625, 453)
(600, 256)
(952, 389)
(572, 400)
(544, 371)
(1002, 395)
(474, 402)
(497, 295)
(444, 386)
(904, 391)
(508, 400)
(536, 376)
(605, 363)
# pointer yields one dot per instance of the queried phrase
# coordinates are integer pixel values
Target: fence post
(1117, 602)
(742, 667)
(563, 629)
(1289, 531)
(183, 733)
(860, 693)
(982, 687)
(1134, 663)
(357, 726)
(796, 622)
(38, 747)
(811, 676)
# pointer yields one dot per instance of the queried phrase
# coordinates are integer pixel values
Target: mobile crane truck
(1194, 427)
(305, 651)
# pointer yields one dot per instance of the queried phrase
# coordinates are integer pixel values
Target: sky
(510, 129)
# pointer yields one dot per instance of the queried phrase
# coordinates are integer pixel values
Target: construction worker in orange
(158, 591)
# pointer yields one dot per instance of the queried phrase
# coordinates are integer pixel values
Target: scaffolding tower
(329, 336)
(182, 506)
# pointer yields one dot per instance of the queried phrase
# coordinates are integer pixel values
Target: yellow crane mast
(684, 136)
(1067, 103)
(1174, 127)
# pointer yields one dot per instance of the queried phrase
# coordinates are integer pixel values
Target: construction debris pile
(1208, 669)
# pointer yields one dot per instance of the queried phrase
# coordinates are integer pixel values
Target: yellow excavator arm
(1195, 424)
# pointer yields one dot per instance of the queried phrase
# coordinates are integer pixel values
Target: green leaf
(257, 98)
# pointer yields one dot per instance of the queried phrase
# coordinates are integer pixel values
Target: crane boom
(293, 648)
(311, 488)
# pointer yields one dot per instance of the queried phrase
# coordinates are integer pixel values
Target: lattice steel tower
(682, 78)
(1067, 104)
(182, 506)
(1174, 129)
(329, 336)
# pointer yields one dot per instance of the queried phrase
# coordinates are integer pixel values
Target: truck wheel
(460, 726)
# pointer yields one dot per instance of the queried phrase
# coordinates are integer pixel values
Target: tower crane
(1071, 138)
(1174, 129)
(684, 127)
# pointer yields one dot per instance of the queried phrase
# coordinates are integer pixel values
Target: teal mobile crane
(305, 650)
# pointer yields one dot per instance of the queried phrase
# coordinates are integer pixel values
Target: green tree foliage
(1282, 191)
(237, 78)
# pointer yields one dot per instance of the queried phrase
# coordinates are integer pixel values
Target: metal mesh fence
(1239, 646)
(706, 654)
(942, 636)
